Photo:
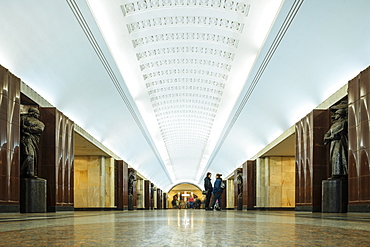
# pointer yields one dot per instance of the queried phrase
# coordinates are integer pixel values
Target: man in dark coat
(208, 187)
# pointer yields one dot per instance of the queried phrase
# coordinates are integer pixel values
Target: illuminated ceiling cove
(177, 88)
(188, 62)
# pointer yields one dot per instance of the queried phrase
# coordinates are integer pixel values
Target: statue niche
(31, 129)
(239, 181)
(337, 137)
(335, 188)
(131, 181)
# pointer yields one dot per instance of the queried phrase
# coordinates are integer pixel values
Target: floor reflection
(185, 228)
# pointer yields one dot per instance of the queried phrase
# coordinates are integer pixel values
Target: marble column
(121, 184)
(312, 160)
(159, 198)
(56, 159)
(249, 185)
(9, 141)
(147, 198)
(359, 142)
(165, 200)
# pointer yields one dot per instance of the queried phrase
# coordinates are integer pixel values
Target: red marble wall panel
(146, 190)
(165, 200)
(236, 186)
(249, 185)
(311, 159)
(9, 137)
(57, 158)
(121, 192)
(359, 141)
(159, 199)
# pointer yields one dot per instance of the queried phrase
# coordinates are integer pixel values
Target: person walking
(217, 192)
(208, 187)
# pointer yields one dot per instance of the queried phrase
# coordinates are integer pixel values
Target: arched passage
(187, 196)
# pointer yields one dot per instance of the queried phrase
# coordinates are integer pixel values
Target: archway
(186, 195)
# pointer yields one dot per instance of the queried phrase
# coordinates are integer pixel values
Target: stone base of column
(33, 195)
(334, 196)
(240, 203)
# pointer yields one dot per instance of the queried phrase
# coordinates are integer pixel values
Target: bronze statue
(31, 129)
(337, 136)
(131, 180)
(239, 181)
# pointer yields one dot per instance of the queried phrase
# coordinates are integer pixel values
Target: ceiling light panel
(137, 6)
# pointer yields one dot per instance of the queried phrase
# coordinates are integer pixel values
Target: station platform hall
(185, 123)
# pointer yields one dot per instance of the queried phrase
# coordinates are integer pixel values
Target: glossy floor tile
(185, 228)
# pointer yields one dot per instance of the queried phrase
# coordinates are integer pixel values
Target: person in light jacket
(217, 192)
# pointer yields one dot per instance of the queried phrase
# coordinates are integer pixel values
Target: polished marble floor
(185, 228)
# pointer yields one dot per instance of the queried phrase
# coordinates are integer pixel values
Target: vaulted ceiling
(177, 88)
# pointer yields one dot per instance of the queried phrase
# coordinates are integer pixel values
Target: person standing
(174, 202)
(208, 187)
(217, 192)
(191, 202)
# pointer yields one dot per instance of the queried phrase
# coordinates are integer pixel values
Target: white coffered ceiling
(184, 63)
(177, 88)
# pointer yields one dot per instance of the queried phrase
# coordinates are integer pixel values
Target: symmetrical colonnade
(80, 181)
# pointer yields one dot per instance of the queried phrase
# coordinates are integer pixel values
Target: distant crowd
(213, 192)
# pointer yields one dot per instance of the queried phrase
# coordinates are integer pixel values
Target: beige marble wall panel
(93, 170)
(93, 199)
(102, 176)
(155, 199)
(275, 196)
(288, 181)
(275, 182)
(109, 182)
(94, 181)
(288, 198)
(281, 184)
(140, 193)
(260, 183)
(230, 200)
(80, 175)
(81, 195)
(80, 181)
(287, 164)
(275, 171)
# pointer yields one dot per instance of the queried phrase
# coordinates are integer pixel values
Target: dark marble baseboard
(60, 208)
(99, 209)
(308, 208)
(248, 208)
(359, 208)
(273, 209)
(123, 209)
(9, 208)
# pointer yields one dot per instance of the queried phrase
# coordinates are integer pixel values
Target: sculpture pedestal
(334, 196)
(33, 195)
(130, 203)
(240, 203)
